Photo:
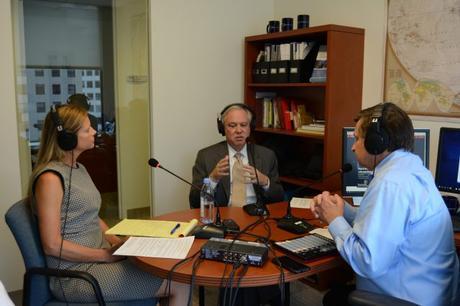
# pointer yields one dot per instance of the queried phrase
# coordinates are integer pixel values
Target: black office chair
(36, 283)
(366, 298)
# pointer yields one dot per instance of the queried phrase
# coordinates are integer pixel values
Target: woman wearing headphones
(66, 203)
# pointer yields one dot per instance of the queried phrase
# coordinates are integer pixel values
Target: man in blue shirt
(400, 240)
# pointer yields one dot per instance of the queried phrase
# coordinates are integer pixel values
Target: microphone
(258, 208)
(231, 224)
(300, 226)
(155, 164)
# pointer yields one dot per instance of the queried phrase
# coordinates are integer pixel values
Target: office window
(91, 108)
(98, 96)
(89, 72)
(96, 72)
(55, 73)
(90, 96)
(98, 108)
(41, 107)
(71, 73)
(97, 84)
(39, 72)
(56, 89)
(71, 89)
(39, 89)
(89, 84)
(83, 84)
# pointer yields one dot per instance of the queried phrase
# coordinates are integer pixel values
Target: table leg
(201, 295)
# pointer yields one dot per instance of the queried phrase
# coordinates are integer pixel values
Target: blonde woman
(66, 203)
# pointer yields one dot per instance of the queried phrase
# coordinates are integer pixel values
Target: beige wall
(197, 69)
(11, 267)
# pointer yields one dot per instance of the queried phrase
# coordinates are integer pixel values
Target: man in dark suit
(216, 161)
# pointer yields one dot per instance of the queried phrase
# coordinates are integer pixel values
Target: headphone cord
(67, 204)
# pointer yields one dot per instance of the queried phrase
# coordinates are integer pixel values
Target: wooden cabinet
(305, 158)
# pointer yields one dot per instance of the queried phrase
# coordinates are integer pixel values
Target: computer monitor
(447, 176)
(355, 182)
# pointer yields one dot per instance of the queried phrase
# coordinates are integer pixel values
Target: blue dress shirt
(400, 240)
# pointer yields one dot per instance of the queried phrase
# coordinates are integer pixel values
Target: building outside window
(89, 84)
(39, 72)
(41, 107)
(55, 73)
(71, 73)
(39, 89)
(56, 89)
(89, 72)
(71, 89)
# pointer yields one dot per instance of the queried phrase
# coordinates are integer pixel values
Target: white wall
(197, 68)
(11, 266)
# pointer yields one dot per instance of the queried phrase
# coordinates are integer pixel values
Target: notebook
(153, 228)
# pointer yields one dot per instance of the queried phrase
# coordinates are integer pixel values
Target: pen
(175, 228)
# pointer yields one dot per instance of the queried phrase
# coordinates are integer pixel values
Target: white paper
(301, 202)
(176, 248)
(323, 232)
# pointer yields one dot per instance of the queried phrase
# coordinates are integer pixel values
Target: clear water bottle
(206, 202)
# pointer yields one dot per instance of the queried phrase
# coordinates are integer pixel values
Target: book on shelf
(314, 128)
(153, 228)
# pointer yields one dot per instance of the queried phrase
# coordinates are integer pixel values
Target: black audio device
(228, 250)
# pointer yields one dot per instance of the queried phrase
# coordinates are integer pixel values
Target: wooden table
(210, 272)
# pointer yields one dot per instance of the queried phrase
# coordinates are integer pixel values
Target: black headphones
(377, 139)
(220, 123)
(67, 141)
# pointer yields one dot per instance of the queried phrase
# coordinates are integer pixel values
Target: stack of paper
(152, 228)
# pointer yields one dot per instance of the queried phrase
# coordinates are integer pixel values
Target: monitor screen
(354, 183)
(448, 165)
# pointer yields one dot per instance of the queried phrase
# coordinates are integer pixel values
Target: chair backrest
(25, 230)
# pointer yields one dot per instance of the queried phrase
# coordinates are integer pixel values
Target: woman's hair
(394, 121)
(72, 117)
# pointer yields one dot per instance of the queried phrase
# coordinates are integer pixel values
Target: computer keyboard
(308, 247)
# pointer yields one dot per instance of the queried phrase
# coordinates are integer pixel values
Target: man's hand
(221, 169)
(251, 178)
(327, 207)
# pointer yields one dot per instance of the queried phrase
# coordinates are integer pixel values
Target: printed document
(176, 248)
(301, 202)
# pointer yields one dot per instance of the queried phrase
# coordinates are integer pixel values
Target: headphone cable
(67, 204)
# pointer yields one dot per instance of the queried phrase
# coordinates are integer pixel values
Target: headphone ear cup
(220, 126)
(376, 140)
(67, 141)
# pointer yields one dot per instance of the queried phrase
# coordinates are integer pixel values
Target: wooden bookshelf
(337, 101)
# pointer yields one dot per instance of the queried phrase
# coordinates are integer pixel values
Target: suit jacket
(265, 162)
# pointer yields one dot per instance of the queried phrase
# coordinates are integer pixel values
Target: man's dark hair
(79, 99)
(395, 122)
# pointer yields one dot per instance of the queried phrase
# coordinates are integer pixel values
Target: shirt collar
(243, 151)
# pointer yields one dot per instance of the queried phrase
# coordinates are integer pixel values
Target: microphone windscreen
(347, 168)
(153, 163)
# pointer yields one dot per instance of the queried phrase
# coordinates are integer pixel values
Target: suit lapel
(225, 181)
